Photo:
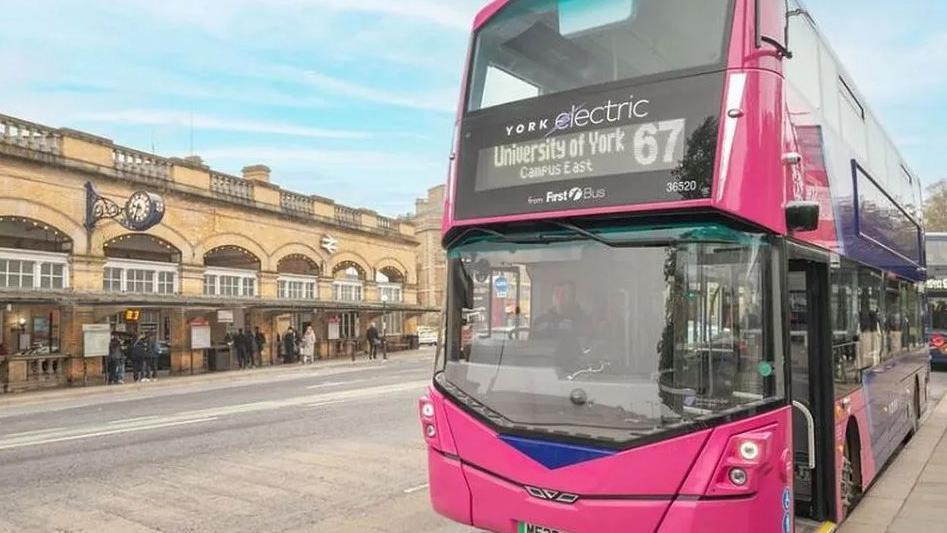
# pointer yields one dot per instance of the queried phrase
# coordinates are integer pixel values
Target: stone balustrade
(31, 372)
(231, 187)
(141, 163)
(29, 135)
(296, 203)
(347, 216)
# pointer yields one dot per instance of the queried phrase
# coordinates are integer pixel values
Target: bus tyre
(851, 476)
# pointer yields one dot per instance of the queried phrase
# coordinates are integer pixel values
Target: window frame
(240, 283)
(39, 260)
(125, 266)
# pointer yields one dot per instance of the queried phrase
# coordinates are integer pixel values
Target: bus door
(812, 389)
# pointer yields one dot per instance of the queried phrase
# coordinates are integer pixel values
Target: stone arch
(157, 247)
(351, 259)
(27, 233)
(394, 269)
(292, 263)
(299, 249)
(175, 238)
(235, 256)
(345, 265)
(62, 221)
(233, 239)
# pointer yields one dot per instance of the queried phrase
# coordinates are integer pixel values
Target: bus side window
(871, 333)
(894, 318)
(845, 324)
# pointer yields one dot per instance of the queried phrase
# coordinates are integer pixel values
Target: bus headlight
(749, 450)
(738, 476)
(427, 410)
(430, 431)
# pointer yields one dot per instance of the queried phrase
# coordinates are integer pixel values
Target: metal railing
(142, 163)
(231, 186)
(297, 203)
(28, 135)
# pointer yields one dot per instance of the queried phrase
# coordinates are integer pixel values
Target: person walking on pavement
(250, 347)
(290, 341)
(308, 349)
(116, 360)
(260, 339)
(240, 344)
(139, 354)
(374, 340)
(152, 360)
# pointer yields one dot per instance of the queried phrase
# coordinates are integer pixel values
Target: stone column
(181, 354)
(192, 280)
(268, 285)
(79, 370)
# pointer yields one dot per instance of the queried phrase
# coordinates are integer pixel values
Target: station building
(432, 261)
(231, 252)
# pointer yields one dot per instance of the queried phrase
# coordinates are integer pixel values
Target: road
(330, 448)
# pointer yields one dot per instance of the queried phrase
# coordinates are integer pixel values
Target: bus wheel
(851, 475)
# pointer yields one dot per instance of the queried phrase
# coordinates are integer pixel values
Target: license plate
(533, 528)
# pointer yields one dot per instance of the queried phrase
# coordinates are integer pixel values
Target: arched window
(231, 271)
(141, 263)
(298, 278)
(390, 286)
(348, 281)
(33, 255)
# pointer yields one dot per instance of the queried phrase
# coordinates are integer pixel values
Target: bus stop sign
(502, 286)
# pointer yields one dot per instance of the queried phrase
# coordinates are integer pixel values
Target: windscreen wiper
(642, 243)
(539, 238)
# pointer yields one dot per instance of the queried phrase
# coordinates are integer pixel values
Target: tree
(935, 207)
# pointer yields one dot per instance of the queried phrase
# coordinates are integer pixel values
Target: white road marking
(334, 384)
(132, 420)
(419, 488)
(51, 440)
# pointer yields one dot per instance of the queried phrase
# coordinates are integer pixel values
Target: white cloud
(317, 158)
(205, 122)
(217, 17)
(441, 101)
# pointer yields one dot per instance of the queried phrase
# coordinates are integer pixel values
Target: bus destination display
(593, 147)
(590, 154)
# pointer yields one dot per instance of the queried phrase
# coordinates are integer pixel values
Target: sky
(354, 99)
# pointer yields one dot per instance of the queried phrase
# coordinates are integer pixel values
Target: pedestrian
(374, 339)
(154, 350)
(250, 346)
(308, 349)
(240, 343)
(116, 360)
(260, 339)
(289, 345)
(139, 354)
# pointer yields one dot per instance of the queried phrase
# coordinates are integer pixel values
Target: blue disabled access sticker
(787, 499)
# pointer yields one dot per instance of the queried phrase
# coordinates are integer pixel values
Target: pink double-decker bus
(684, 275)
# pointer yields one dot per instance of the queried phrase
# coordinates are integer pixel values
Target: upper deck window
(540, 47)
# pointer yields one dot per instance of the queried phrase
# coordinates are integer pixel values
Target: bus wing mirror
(802, 216)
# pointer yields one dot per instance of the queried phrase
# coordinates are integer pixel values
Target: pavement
(911, 494)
